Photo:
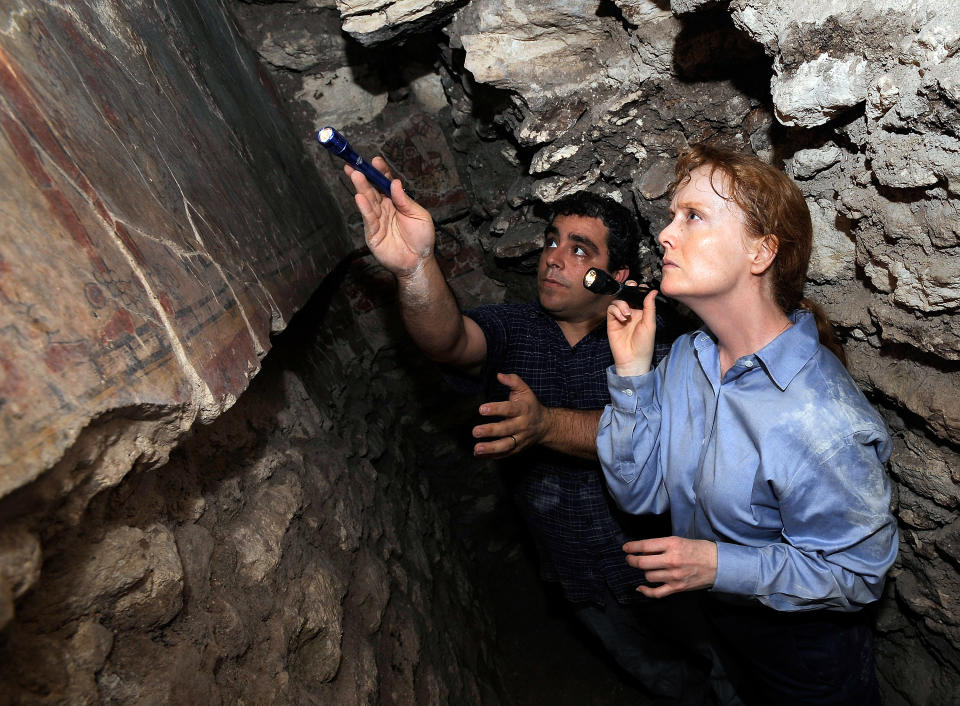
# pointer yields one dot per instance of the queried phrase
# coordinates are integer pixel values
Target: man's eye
(579, 252)
(550, 244)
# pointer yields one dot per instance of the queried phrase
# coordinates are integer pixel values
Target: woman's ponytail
(825, 329)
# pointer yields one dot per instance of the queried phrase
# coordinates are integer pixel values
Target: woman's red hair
(773, 206)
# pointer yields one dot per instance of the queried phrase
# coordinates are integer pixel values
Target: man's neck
(575, 331)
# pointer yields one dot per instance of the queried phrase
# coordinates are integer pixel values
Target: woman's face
(707, 251)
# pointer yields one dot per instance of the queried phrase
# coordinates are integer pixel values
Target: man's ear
(764, 253)
(622, 274)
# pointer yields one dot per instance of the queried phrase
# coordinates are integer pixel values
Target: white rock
(548, 157)
(834, 252)
(807, 163)
(549, 190)
(338, 99)
(819, 89)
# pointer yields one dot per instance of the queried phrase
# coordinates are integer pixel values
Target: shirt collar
(786, 354)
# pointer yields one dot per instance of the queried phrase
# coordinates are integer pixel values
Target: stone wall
(857, 101)
(161, 541)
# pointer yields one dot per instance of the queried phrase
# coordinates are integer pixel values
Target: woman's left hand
(677, 564)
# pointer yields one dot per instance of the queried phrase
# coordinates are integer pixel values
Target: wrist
(632, 368)
(548, 421)
(414, 275)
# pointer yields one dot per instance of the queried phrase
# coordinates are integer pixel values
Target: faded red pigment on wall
(157, 221)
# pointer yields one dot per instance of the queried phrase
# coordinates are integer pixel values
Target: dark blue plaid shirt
(578, 530)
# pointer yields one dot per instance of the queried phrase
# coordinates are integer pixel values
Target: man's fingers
(513, 381)
(499, 409)
(497, 448)
(381, 164)
(492, 431)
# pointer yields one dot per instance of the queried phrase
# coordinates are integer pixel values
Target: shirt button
(748, 363)
(628, 393)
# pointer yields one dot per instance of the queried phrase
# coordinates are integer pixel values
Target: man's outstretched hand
(523, 424)
(398, 230)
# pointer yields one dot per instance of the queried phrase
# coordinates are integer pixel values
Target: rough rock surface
(158, 230)
(161, 224)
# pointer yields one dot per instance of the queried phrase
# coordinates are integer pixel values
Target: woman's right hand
(631, 333)
(398, 230)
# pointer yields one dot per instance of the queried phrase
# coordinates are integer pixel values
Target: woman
(756, 439)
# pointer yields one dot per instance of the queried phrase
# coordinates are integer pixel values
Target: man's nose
(552, 257)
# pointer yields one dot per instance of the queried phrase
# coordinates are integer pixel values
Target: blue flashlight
(337, 144)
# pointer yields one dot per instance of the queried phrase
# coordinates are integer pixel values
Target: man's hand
(631, 333)
(398, 230)
(523, 421)
(678, 564)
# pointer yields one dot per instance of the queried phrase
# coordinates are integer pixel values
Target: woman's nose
(667, 235)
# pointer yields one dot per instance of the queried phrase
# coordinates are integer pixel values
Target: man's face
(572, 245)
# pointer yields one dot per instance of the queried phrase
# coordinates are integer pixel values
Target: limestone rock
(372, 22)
(195, 547)
(132, 576)
(919, 389)
(313, 617)
(519, 240)
(833, 255)
(20, 559)
(806, 164)
(827, 55)
(342, 97)
(299, 42)
(369, 591)
(929, 470)
(157, 599)
(568, 49)
(257, 536)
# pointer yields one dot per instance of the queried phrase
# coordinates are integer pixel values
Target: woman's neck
(742, 327)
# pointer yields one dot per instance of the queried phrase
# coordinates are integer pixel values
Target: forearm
(786, 578)
(571, 431)
(628, 445)
(430, 312)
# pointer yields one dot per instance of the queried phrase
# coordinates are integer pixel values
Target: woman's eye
(694, 216)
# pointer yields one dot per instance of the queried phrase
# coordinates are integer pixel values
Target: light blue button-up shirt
(780, 463)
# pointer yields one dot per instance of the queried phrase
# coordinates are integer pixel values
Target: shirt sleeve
(491, 321)
(838, 541)
(628, 442)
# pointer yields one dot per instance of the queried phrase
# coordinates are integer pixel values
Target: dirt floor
(547, 657)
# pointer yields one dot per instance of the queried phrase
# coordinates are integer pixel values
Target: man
(551, 356)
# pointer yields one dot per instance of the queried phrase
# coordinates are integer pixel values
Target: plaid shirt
(578, 530)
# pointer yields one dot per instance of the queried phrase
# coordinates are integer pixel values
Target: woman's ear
(765, 252)
(622, 274)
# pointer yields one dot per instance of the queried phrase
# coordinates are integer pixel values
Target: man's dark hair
(623, 239)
